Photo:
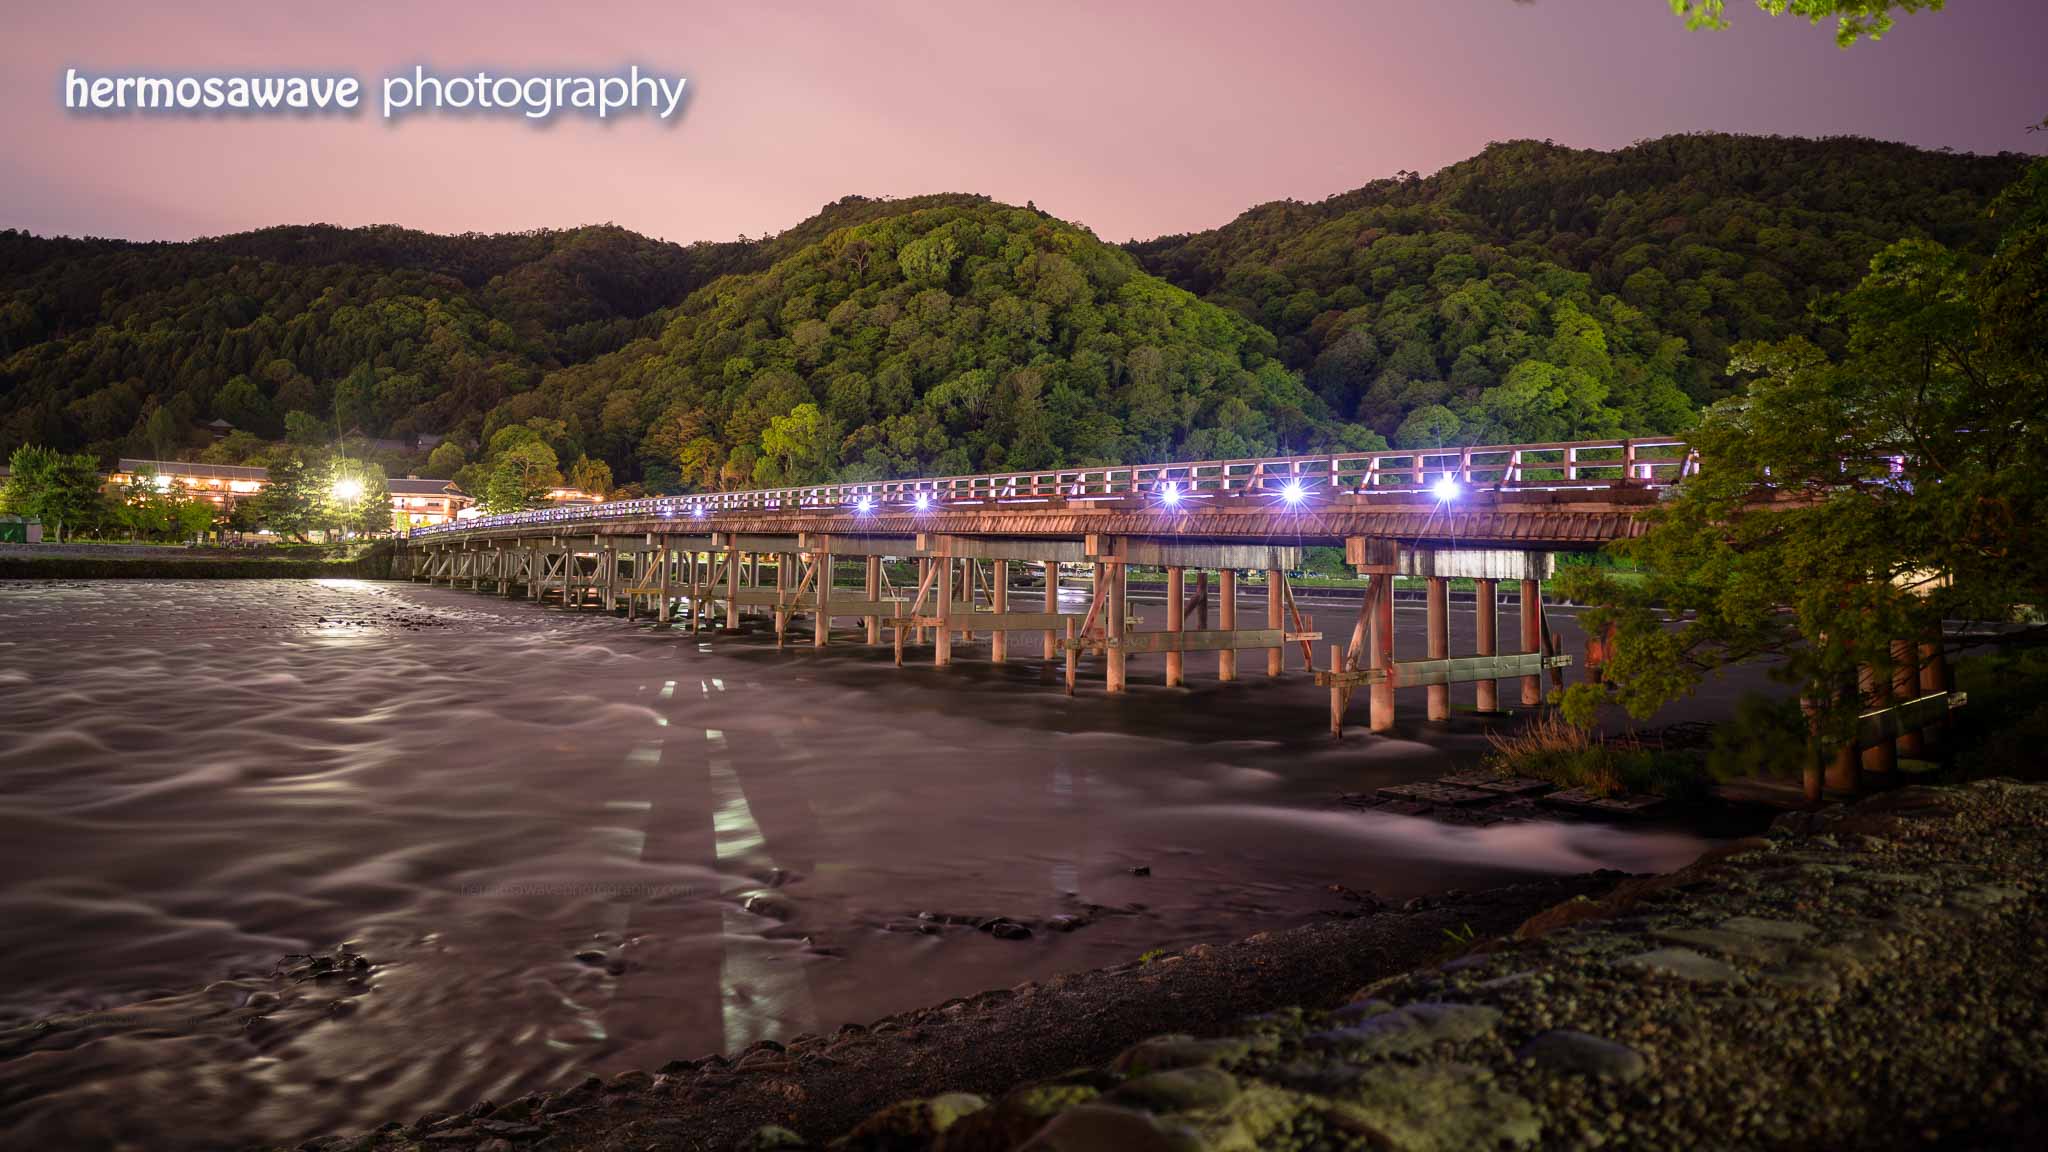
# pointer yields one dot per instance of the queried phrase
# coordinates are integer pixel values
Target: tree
(1874, 493)
(446, 460)
(1854, 19)
(304, 429)
(74, 501)
(290, 502)
(521, 477)
(356, 498)
(796, 448)
(194, 518)
(592, 476)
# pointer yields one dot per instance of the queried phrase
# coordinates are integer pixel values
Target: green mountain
(1538, 292)
(1533, 292)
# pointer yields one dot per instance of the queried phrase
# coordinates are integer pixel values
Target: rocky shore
(1870, 977)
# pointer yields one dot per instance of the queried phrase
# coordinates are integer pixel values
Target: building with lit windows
(223, 484)
(417, 503)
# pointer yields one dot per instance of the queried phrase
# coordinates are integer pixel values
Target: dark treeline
(1533, 292)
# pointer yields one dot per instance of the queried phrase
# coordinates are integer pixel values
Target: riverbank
(822, 1085)
(1867, 977)
(120, 562)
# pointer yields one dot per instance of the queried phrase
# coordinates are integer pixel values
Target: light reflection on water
(545, 829)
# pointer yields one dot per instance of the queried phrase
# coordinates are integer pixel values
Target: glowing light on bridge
(1446, 488)
(864, 504)
(1294, 493)
(697, 510)
(923, 501)
(1170, 495)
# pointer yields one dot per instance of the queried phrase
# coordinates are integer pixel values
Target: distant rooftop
(412, 486)
(201, 471)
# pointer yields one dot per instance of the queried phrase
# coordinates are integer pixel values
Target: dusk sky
(1134, 119)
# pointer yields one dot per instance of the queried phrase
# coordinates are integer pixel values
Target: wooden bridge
(817, 554)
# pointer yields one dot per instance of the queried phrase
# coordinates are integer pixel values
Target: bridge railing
(1637, 462)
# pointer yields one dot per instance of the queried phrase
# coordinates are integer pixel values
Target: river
(565, 843)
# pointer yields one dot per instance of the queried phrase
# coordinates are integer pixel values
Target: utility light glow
(1446, 489)
(864, 504)
(1293, 493)
(697, 510)
(1170, 496)
(348, 489)
(923, 501)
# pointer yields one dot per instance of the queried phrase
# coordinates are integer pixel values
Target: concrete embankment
(115, 562)
(1868, 978)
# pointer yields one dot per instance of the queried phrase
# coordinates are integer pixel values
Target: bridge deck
(1487, 514)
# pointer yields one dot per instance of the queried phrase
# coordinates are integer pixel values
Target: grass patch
(1572, 757)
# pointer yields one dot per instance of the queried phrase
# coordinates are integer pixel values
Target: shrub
(1570, 756)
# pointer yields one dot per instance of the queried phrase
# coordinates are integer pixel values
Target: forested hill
(1416, 299)
(1533, 292)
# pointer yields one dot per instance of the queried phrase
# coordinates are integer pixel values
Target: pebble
(1685, 964)
(1563, 1050)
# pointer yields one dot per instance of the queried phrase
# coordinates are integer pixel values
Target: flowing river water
(566, 843)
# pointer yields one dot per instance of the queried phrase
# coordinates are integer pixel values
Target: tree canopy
(1877, 489)
(1533, 292)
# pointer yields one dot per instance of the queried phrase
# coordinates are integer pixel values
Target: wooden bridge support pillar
(1486, 694)
(821, 627)
(664, 557)
(873, 586)
(1276, 656)
(1226, 659)
(942, 587)
(1933, 673)
(534, 566)
(1380, 651)
(1439, 617)
(1176, 618)
(1905, 686)
(1052, 604)
(1532, 638)
(732, 589)
(504, 571)
(999, 600)
(1874, 687)
(1113, 626)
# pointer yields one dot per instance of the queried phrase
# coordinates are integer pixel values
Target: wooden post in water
(1439, 623)
(999, 600)
(1276, 656)
(942, 586)
(609, 558)
(1113, 626)
(1487, 695)
(822, 558)
(1874, 684)
(1176, 617)
(874, 592)
(1532, 639)
(1336, 690)
(1052, 604)
(1905, 686)
(1380, 652)
(1226, 618)
(924, 579)
(732, 589)
(1073, 656)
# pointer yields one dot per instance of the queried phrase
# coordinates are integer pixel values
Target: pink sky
(1133, 118)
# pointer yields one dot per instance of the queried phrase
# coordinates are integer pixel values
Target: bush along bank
(1863, 978)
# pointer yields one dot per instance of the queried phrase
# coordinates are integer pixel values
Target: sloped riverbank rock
(1884, 958)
